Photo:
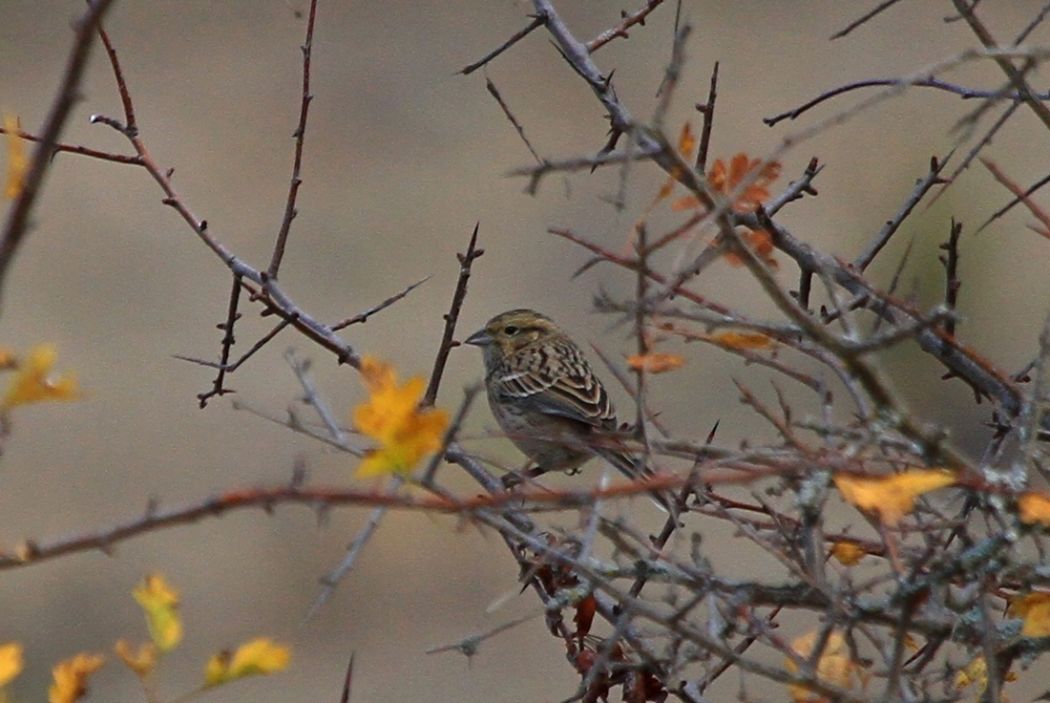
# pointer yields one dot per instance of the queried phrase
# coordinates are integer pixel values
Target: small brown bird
(545, 396)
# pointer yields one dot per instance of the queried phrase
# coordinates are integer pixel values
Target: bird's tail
(634, 469)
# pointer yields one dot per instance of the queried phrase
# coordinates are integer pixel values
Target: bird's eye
(510, 330)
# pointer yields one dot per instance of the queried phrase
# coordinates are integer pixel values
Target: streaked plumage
(545, 396)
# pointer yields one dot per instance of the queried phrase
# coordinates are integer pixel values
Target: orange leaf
(847, 553)
(1035, 507)
(891, 497)
(744, 340)
(686, 202)
(686, 141)
(655, 362)
(761, 243)
(725, 180)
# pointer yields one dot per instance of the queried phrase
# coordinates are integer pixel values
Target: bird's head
(512, 331)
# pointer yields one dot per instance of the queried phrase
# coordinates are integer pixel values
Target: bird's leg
(512, 479)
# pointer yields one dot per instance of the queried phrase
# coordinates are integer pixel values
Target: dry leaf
(655, 362)
(891, 497)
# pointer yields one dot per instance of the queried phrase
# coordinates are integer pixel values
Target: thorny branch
(949, 578)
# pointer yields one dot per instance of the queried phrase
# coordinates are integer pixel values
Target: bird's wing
(558, 381)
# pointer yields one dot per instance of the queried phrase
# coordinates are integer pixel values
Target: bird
(547, 399)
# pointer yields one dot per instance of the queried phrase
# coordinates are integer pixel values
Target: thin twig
(922, 82)
(950, 261)
(363, 317)
(494, 92)
(884, 5)
(515, 38)
(922, 186)
(299, 135)
(707, 114)
(131, 160)
(466, 260)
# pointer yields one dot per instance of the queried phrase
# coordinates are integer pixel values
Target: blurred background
(403, 156)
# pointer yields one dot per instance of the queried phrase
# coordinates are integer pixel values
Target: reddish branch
(630, 19)
(1022, 196)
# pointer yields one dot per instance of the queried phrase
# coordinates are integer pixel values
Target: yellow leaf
(71, 677)
(655, 362)
(160, 603)
(8, 359)
(404, 432)
(834, 667)
(973, 674)
(1035, 507)
(11, 662)
(142, 661)
(891, 497)
(260, 656)
(847, 553)
(34, 381)
(17, 161)
(1034, 609)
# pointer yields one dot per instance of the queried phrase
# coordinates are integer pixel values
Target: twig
(515, 38)
(311, 397)
(950, 261)
(228, 340)
(347, 681)
(131, 160)
(620, 30)
(921, 82)
(330, 581)
(300, 134)
(1021, 195)
(975, 150)
(707, 114)
(468, 646)
(884, 5)
(922, 186)
(277, 301)
(362, 317)
(292, 422)
(796, 189)
(17, 223)
(1016, 77)
(1031, 417)
(466, 260)
(230, 367)
(1030, 190)
(494, 92)
(580, 163)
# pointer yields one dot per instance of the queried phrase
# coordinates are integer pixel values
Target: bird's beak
(481, 338)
